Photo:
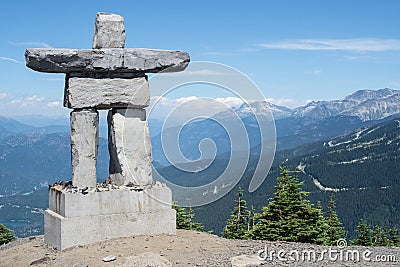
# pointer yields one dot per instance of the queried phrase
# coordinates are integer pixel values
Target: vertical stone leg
(84, 145)
(129, 147)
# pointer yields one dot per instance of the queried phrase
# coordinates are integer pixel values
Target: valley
(349, 146)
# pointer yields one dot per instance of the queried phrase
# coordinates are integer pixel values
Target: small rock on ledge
(109, 258)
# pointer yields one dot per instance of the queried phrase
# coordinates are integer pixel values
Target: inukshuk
(109, 77)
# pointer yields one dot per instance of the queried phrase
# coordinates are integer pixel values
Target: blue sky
(293, 50)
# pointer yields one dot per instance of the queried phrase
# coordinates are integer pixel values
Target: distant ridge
(364, 104)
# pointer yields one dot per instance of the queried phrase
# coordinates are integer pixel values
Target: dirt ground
(187, 248)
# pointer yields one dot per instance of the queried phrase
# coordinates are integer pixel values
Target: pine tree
(184, 218)
(181, 216)
(323, 226)
(380, 237)
(289, 216)
(193, 225)
(6, 235)
(394, 238)
(364, 235)
(237, 226)
(251, 219)
(335, 229)
(377, 236)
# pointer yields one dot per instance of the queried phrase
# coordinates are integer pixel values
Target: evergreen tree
(193, 224)
(335, 229)
(237, 226)
(181, 216)
(380, 237)
(289, 216)
(6, 235)
(364, 235)
(184, 218)
(322, 225)
(376, 237)
(394, 238)
(251, 219)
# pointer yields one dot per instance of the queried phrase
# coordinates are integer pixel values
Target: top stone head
(107, 55)
(109, 31)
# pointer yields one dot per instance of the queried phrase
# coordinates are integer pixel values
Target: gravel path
(189, 248)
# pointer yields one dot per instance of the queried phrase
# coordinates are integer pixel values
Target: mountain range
(348, 146)
(361, 168)
(364, 104)
(294, 127)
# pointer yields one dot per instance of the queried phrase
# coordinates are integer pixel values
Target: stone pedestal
(129, 147)
(74, 218)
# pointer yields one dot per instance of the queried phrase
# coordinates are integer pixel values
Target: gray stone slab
(112, 91)
(129, 147)
(62, 232)
(105, 60)
(114, 201)
(109, 31)
(84, 146)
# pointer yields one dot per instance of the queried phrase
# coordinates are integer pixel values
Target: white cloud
(28, 105)
(23, 102)
(4, 96)
(360, 45)
(165, 105)
(35, 98)
(10, 59)
(16, 101)
(288, 102)
(232, 102)
(54, 104)
(161, 106)
(182, 100)
(33, 44)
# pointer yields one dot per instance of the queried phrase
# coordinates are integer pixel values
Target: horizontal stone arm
(106, 60)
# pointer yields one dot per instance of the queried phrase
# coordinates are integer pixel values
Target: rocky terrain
(189, 248)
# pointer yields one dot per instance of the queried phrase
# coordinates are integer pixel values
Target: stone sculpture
(114, 78)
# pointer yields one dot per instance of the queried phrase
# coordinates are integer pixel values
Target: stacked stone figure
(108, 77)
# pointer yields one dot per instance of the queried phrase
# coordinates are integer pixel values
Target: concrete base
(113, 214)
